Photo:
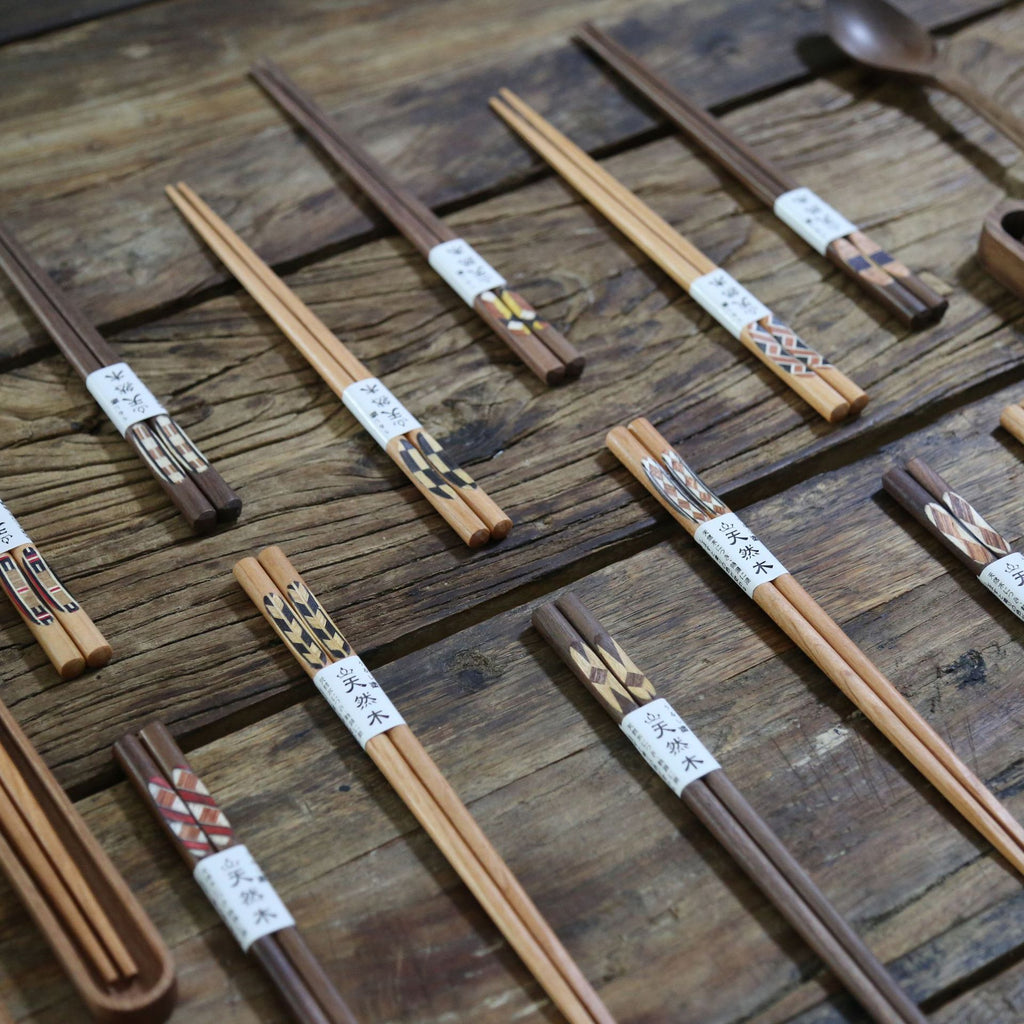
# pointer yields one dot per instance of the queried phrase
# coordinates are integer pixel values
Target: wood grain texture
(84, 189)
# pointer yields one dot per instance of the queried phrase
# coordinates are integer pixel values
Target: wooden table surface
(103, 103)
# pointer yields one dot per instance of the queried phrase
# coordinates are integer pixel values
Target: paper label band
(241, 894)
(381, 414)
(357, 699)
(747, 561)
(667, 745)
(727, 301)
(1005, 578)
(817, 223)
(464, 269)
(11, 533)
(122, 396)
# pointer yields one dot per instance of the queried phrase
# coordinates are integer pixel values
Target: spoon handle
(1012, 127)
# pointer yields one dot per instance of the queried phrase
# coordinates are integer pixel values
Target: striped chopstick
(883, 277)
(199, 829)
(830, 392)
(299, 619)
(951, 518)
(185, 474)
(452, 491)
(547, 353)
(626, 693)
(55, 619)
(653, 461)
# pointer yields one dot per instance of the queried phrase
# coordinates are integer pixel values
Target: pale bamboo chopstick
(823, 386)
(642, 450)
(438, 812)
(452, 492)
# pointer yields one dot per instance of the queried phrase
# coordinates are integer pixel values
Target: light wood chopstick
(426, 806)
(821, 385)
(803, 620)
(452, 492)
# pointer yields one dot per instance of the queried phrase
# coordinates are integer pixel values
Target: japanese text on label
(122, 396)
(667, 744)
(817, 223)
(357, 698)
(1005, 578)
(381, 414)
(241, 894)
(11, 533)
(464, 269)
(727, 301)
(746, 560)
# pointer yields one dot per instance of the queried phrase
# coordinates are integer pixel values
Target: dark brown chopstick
(884, 278)
(548, 354)
(962, 530)
(184, 473)
(621, 688)
(198, 828)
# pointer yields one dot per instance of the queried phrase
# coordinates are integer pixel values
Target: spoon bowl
(877, 34)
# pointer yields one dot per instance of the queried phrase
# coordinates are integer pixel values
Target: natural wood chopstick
(886, 279)
(806, 623)
(547, 353)
(436, 811)
(823, 386)
(181, 470)
(602, 667)
(452, 492)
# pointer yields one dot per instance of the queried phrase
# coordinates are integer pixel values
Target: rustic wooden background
(105, 102)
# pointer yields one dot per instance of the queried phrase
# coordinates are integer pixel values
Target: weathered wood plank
(19, 20)
(654, 914)
(385, 560)
(98, 119)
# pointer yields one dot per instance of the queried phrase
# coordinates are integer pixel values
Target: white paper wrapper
(735, 548)
(727, 301)
(241, 894)
(122, 396)
(11, 533)
(381, 414)
(667, 744)
(357, 698)
(1005, 578)
(464, 269)
(817, 223)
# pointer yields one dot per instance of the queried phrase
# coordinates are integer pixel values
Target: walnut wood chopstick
(183, 472)
(768, 338)
(951, 518)
(452, 491)
(548, 354)
(317, 644)
(57, 621)
(650, 458)
(886, 279)
(103, 940)
(621, 688)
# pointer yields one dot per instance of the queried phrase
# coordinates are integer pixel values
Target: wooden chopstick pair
(452, 491)
(543, 349)
(106, 944)
(830, 392)
(55, 619)
(203, 836)
(951, 518)
(299, 619)
(666, 743)
(185, 474)
(883, 277)
(653, 461)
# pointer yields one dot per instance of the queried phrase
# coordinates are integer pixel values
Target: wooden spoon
(881, 36)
